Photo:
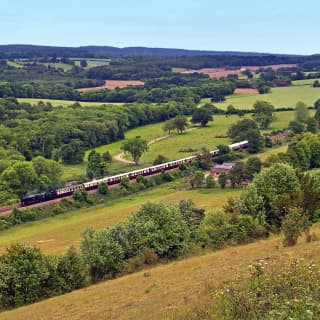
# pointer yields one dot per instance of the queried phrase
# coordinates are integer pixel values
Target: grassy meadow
(301, 90)
(58, 233)
(168, 291)
(65, 103)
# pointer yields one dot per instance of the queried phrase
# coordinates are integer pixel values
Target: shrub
(80, 195)
(294, 223)
(103, 188)
(210, 183)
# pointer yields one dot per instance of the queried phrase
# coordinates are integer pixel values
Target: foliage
(253, 166)
(205, 159)
(293, 224)
(23, 274)
(197, 180)
(263, 113)
(80, 195)
(301, 112)
(210, 183)
(237, 174)
(201, 116)
(96, 167)
(160, 159)
(103, 188)
(73, 152)
(280, 291)
(136, 147)
(222, 180)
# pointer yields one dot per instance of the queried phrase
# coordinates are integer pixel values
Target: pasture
(167, 291)
(282, 97)
(65, 103)
(56, 234)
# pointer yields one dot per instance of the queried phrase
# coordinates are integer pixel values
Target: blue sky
(280, 26)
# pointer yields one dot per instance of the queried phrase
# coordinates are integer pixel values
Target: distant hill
(29, 51)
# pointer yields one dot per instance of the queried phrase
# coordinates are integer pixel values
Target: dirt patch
(246, 91)
(222, 72)
(112, 84)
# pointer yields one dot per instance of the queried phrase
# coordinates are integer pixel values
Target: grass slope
(56, 234)
(165, 291)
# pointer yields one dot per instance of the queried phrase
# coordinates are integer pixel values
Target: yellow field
(165, 291)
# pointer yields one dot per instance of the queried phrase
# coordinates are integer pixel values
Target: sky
(276, 26)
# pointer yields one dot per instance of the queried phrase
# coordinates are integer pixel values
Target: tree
(136, 147)
(169, 125)
(102, 253)
(210, 183)
(162, 228)
(263, 113)
(201, 116)
(23, 272)
(107, 156)
(231, 109)
(96, 167)
(222, 180)
(301, 112)
(80, 195)
(253, 166)
(316, 84)
(20, 177)
(205, 159)
(83, 63)
(48, 168)
(255, 141)
(181, 122)
(197, 180)
(271, 184)
(293, 224)
(160, 159)
(239, 131)
(73, 152)
(296, 127)
(103, 188)
(72, 271)
(312, 125)
(237, 174)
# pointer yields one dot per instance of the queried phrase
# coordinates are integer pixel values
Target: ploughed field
(113, 84)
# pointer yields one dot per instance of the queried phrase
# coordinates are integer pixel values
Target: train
(93, 184)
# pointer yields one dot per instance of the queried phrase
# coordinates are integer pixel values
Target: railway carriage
(91, 185)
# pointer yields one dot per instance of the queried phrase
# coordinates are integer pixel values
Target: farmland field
(113, 84)
(279, 97)
(166, 291)
(58, 233)
(65, 103)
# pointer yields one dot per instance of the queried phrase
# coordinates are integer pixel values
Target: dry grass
(165, 291)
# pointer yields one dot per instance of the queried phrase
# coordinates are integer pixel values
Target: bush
(80, 195)
(210, 183)
(294, 223)
(286, 291)
(103, 188)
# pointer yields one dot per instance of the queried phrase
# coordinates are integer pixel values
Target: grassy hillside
(166, 291)
(58, 233)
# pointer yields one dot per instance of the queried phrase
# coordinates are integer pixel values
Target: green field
(56, 234)
(65, 103)
(93, 62)
(279, 97)
(195, 139)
